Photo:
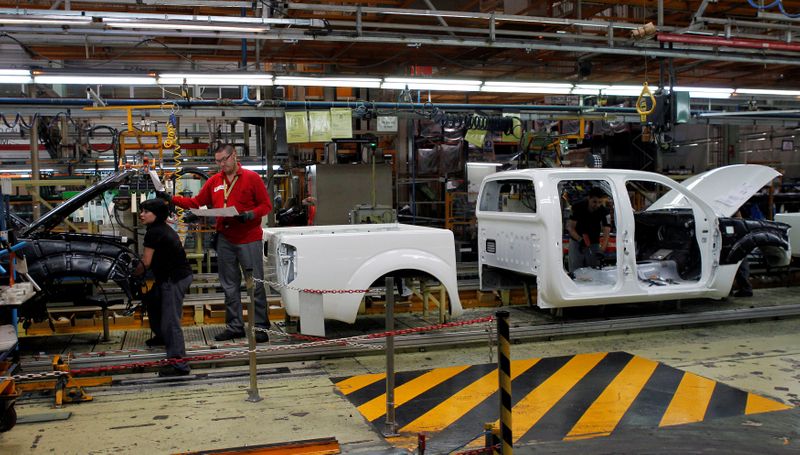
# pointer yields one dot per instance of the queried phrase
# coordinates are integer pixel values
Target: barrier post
(504, 376)
(252, 392)
(390, 428)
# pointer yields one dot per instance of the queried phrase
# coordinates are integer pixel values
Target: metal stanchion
(390, 428)
(252, 392)
(504, 376)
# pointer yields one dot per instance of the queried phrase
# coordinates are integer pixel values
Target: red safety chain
(429, 328)
(311, 344)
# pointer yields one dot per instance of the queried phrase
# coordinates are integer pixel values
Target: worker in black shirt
(589, 218)
(165, 256)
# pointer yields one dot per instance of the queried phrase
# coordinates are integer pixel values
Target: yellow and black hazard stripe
(557, 398)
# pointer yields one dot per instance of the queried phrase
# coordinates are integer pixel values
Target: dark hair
(224, 147)
(157, 206)
(597, 192)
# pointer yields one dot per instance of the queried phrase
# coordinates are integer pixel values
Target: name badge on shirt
(219, 188)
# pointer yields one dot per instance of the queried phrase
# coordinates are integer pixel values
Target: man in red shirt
(240, 240)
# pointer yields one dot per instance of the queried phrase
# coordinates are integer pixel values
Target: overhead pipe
(246, 101)
(733, 42)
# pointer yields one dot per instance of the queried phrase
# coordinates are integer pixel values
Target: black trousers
(165, 308)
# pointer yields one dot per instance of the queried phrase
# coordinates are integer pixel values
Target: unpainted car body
(686, 244)
(351, 258)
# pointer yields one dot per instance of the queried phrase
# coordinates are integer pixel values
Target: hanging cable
(173, 142)
(778, 3)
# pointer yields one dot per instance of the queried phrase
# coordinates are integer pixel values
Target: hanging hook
(641, 103)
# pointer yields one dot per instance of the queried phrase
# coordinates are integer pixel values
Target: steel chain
(489, 449)
(310, 344)
(276, 285)
(33, 376)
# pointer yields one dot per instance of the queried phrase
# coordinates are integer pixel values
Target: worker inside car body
(589, 218)
(165, 256)
(239, 242)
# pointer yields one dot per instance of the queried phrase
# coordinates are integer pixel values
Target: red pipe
(736, 42)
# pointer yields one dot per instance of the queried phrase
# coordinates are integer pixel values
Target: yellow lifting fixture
(641, 103)
(134, 133)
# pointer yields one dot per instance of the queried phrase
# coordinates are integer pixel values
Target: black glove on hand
(246, 216)
(164, 195)
(599, 257)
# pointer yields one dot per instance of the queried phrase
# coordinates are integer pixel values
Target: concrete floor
(148, 416)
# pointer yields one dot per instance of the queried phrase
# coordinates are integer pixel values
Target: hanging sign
(341, 122)
(296, 127)
(319, 126)
(387, 124)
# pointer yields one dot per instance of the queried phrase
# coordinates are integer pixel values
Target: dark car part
(94, 258)
(56, 259)
(740, 237)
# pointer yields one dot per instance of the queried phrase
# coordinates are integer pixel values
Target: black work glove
(599, 257)
(164, 195)
(246, 216)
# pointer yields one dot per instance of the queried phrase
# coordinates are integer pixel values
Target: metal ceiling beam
(295, 35)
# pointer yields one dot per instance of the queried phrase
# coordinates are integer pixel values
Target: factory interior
(399, 226)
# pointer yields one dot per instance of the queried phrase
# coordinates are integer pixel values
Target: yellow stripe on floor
(533, 406)
(376, 407)
(690, 401)
(757, 404)
(604, 414)
(453, 408)
(350, 385)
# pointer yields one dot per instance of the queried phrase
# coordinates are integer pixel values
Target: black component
(740, 237)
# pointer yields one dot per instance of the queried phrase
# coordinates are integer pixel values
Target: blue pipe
(246, 101)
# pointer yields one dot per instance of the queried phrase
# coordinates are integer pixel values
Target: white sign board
(387, 124)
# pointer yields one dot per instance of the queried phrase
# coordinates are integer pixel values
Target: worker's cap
(157, 206)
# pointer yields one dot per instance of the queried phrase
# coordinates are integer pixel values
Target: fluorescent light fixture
(401, 83)
(261, 167)
(89, 79)
(762, 91)
(222, 79)
(526, 87)
(9, 76)
(362, 82)
(589, 89)
(706, 92)
(183, 26)
(45, 20)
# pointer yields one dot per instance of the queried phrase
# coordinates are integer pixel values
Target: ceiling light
(183, 26)
(221, 79)
(89, 79)
(623, 90)
(361, 82)
(706, 92)
(9, 76)
(44, 20)
(761, 91)
(401, 83)
(526, 87)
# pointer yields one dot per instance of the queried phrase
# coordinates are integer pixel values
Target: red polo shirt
(246, 193)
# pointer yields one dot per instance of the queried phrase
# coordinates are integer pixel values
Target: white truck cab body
(341, 259)
(670, 240)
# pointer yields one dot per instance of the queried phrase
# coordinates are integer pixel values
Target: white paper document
(227, 211)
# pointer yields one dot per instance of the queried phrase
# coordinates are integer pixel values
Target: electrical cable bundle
(491, 123)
